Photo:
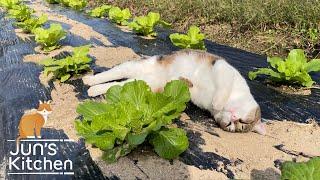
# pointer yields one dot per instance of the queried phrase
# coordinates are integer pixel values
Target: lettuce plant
(20, 12)
(194, 39)
(119, 16)
(9, 4)
(301, 171)
(64, 69)
(101, 11)
(31, 24)
(294, 69)
(77, 4)
(49, 38)
(132, 115)
(144, 25)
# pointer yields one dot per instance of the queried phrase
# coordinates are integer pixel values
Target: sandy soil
(257, 152)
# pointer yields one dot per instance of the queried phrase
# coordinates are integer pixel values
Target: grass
(270, 27)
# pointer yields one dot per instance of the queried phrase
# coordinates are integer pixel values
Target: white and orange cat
(30, 124)
(214, 84)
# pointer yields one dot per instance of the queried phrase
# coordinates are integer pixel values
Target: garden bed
(212, 154)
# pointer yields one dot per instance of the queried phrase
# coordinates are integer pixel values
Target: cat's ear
(49, 102)
(260, 128)
(40, 102)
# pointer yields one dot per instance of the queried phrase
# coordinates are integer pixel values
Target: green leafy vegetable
(119, 16)
(64, 69)
(9, 4)
(31, 24)
(145, 24)
(53, 1)
(20, 12)
(49, 38)
(77, 4)
(294, 69)
(101, 11)
(301, 171)
(169, 143)
(132, 115)
(194, 39)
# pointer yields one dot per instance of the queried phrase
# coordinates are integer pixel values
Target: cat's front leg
(128, 69)
(103, 88)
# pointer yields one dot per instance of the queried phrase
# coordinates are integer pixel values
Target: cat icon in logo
(30, 124)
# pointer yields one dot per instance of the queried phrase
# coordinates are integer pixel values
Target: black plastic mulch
(20, 90)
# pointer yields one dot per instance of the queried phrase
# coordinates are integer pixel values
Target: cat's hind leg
(103, 88)
(128, 69)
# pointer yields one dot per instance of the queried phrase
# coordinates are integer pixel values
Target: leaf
(264, 71)
(275, 61)
(90, 109)
(65, 77)
(313, 65)
(301, 171)
(170, 143)
(113, 94)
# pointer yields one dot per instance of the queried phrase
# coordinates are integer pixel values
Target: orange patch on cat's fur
(202, 56)
(187, 81)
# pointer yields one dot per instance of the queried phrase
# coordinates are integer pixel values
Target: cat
(30, 124)
(214, 85)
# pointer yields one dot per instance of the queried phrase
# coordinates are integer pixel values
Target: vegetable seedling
(64, 69)
(101, 11)
(144, 25)
(294, 69)
(9, 4)
(20, 12)
(194, 39)
(77, 4)
(49, 38)
(132, 115)
(119, 16)
(31, 24)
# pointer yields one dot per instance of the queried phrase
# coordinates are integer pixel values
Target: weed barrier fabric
(20, 90)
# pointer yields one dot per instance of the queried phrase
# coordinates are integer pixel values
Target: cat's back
(189, 62)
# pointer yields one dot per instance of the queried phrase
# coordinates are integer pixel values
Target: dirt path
(255, 154)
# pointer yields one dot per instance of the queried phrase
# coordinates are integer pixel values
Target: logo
(34, 155)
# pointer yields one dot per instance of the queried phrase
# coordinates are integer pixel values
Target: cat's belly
(202, 97)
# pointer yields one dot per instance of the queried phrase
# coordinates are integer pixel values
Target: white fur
(45, 113)
(218, 88)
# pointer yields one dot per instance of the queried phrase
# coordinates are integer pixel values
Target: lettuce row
(132, 115)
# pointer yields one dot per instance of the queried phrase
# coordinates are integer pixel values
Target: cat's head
(250, 121)
(44, 107)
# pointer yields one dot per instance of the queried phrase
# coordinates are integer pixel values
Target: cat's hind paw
(89, 80)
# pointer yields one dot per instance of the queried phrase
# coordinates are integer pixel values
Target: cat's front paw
(89, 80)
(94, 91)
